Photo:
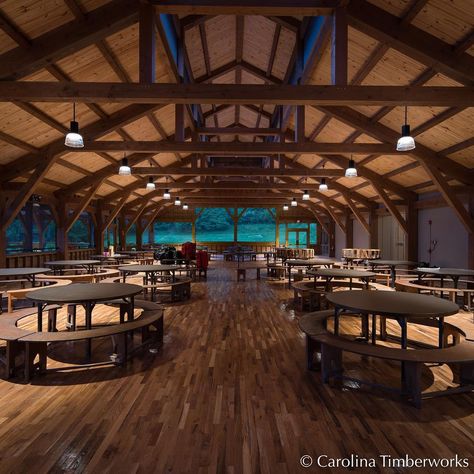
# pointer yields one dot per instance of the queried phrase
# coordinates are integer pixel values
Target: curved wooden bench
(411, 287)
(460, 357)
(35, 343)
(178, 290)
(83, 277)
(20, 293)
(11, 333)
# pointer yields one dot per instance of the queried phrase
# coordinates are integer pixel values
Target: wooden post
(179, 123)
(28, 225)
(277, 230)
(61, 231)
(121, 231)
(151, 233)
(139, 233)
(236, 223)
(99, 228)
(3, 231)
(300, 124)
(332, 237)
(349, 231)
(147, 43)
(412, 235)
(339, 48)
(193, 230)
(374, 229)
(470, 248)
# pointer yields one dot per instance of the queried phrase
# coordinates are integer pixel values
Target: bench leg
(383, 328)
(32, 350)
(13, 350)
(71, 316)
(411, 381)
(466, 373)
(258, 273)
(331, 362)
(52, 320)
(120, 348)
(312, 347)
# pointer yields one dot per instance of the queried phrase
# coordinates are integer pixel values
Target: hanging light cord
(406, 114)
(74, 111)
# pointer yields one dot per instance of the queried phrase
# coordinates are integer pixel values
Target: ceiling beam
(242, 171)
(411, 41)
(96, 129)
(238, 131)
(237, 148)
(165, 94)
(68, 39)
(246, 7)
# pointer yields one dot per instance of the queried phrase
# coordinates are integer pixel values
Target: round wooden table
(308, 263)
(86, 295)
(152, 274)
(27, 273)
(329, 273)
(403, 307)
(453, 273)
(392, 264)
(116, 257)
(60, 265)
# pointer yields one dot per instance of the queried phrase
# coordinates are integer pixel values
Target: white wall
(361, 238)
(340, 242)
(452, 237)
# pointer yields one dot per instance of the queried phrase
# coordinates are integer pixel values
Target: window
(214, 225)
(16, 236)
(131, 237)
(82, 232)
(173, 232)
(256, 225)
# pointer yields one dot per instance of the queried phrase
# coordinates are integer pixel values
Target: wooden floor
(229, 393)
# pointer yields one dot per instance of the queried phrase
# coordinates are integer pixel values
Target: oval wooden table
(87, 295)
(402, 307)
(60, 265)
(28, 273)
(393, 265)
(453, 273)
(152, 273)
(308, 263)
(329, 273)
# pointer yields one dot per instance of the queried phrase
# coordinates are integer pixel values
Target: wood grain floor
(229, 393)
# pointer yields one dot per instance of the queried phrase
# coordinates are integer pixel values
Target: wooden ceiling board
(220, 35)
(258, 39)
(87, 161)
(6, 43)
(285, 48)
(227, 78)
(16, 122)
(165, 117)
(395, 7)
(464, 157)
(34, 18)
(9, 153)
(193, 44)
(334, 132)
(142, 130)
(456, 129)
(411, 178)
(449, 20)
(62, 174)
(394, 69)
(322, 73)
(386, 164)
(360, 46)
(90, 5)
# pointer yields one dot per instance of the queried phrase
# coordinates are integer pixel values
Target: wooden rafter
(82, 205)
(391, 207)
(160, 93)
(115, 212)
(357, 213)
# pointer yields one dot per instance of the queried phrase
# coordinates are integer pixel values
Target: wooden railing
(37, 259)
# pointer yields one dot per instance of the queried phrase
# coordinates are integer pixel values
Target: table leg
(441, 332)
(455, 280)
(40, 317)
(289, 276)
(403, 325)
(336, 320)
(374, 328)
(393, 276)
(33, 281)
(88, 320)
(350, 283)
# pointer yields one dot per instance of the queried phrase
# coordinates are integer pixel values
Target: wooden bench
(11, 333)
(460, 357)
(242, 272)
(179, 290)
(21, 293)
(408, 286)
(275, 270)
(308, 297)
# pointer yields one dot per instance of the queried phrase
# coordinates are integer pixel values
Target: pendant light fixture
(74, 138)
(294, 202)
(351, 171)
(305, 196)
(285, 207)
(177, 201)
(406, 142)
(124, 169)
(322, 185)
(166, 194)
(150, 186)
(185, 207)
